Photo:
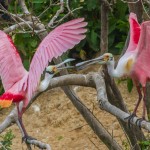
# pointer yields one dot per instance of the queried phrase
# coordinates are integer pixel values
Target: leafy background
(88, 48)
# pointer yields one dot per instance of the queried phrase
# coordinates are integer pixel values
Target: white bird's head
(106, 58)
(54, 69)
(51, 71)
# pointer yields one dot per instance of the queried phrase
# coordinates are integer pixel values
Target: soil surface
(53, 119)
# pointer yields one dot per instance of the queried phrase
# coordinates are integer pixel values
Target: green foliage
(90, 12)
(6, 140)
(144, 145)
(26, 44)
(118, 27)
(129, 84)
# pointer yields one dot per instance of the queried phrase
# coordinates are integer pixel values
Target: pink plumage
(141, 68)
(16, 80)
(136, 59)
(64, 37)
(135, 29)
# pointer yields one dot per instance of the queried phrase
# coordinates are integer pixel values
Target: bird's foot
(130, 118)
(27, 138)
(139, 121)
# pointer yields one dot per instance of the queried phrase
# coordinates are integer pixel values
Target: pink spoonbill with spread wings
(135, 63)
(19, 84)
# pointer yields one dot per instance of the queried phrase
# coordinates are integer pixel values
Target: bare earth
(53, 119)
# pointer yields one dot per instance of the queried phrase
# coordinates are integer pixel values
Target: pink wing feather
(134, 32)
(141, 68)
(11, 68)
(62, 38)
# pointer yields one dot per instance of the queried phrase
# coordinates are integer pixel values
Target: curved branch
(72, 79)
(9, 120)
(104, 103)
(89, 80)
(84, 80)
(39, 144)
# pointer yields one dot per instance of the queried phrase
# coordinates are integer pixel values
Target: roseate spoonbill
(134, 63)
(51, 71)
(20, 85)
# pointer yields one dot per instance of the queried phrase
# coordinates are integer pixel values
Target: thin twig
(67, 5)
(94, 144)
(78, 127)
(145, 9)
(130, 2)
(60, 20)
(57, 13)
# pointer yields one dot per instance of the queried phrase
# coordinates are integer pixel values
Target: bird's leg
(25, 137)
(144, 103)
(139, 100)
(136, 106)
(138, 122)
(20, 121)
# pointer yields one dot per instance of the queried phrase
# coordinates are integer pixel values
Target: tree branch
(89, 80)
(16, 26)
(57, 13)
(39, 144)
(104, 103)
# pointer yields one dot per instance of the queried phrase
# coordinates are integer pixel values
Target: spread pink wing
(141, 68)
(62, 38)
(134, 32)
(11, 68)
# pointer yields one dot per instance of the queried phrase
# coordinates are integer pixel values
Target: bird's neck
(111, 69)
(45, 82)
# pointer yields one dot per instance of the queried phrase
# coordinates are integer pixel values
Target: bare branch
(24, 7)
(130, 2)
(67, 5)
(39, 144)
(104, 103)
(60, 20)
(57, 13)
(89, 80)
(84, 80)
(16, 26)
(106, 3)
(9, 120)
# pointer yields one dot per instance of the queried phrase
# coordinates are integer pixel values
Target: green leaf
(91, 5)
(121, 9)
(120, 45)
(93, 37)
(33, 43)
(26, 64)
(129, 84)
(38, 1)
